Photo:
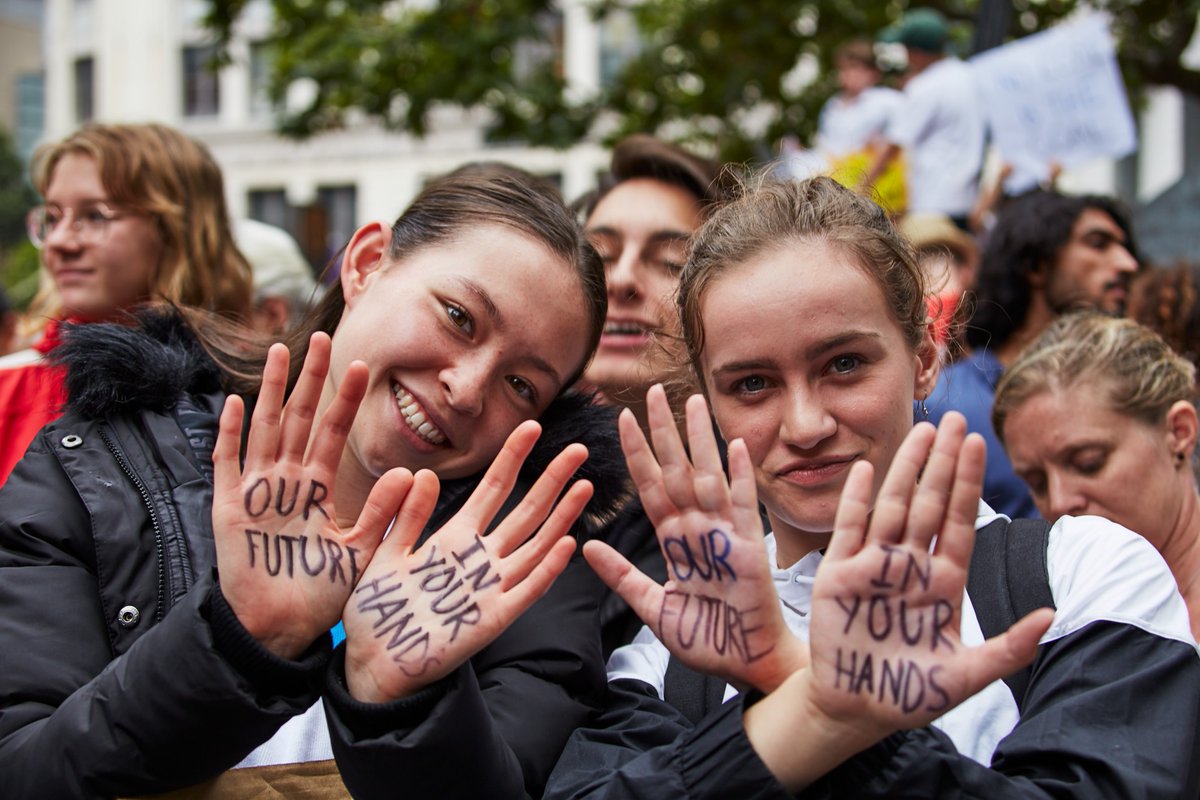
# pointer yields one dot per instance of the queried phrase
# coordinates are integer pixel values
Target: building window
(201, 89)
(271, 206)
(261, 56)
(340, 204)
(534, 56)
(31, 112)
(322, 229)
(85, 87)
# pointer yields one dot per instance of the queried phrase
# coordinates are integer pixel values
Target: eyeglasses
(89, 223)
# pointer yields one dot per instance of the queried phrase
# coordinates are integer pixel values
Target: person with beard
(1048, 254)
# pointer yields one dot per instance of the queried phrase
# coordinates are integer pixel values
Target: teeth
(414, 417)
(624, 327)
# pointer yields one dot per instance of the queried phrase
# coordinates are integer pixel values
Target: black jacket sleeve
(494, 727)
(188, 699)
(1113, 711)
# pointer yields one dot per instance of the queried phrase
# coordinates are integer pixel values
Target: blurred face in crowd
(1080, 456)
(855, 77)
(1094, 267)
(101, 257)
(641, 229)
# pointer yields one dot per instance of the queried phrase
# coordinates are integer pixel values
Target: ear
(1182, 428)
(363, 257)
(928, 363)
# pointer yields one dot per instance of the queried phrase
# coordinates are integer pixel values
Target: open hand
(417, 615)
(718, 612)
(286, 566)
(886, 610)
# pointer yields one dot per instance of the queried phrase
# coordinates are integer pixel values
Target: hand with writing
(417, 615)
(718, 612)
(286, 567)
(886, 609)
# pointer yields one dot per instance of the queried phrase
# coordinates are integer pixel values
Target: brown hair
(473, 195)
(1138, 374)
(159, 171)
(770, 213)
(1164, 300)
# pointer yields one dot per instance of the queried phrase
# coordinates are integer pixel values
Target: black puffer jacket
(123, 670)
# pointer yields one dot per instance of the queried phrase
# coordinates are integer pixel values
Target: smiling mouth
(625, 329)
(414, 417)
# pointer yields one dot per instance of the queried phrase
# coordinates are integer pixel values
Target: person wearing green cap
(940, 124)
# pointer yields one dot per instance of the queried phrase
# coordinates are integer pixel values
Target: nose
(465, 385)
(622, 275)
(1063, 498)
(1123, 260)
(806, 420)
(64, 235)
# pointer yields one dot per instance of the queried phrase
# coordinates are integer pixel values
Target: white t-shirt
(849, 125)
(941, 126)
(1097, 571)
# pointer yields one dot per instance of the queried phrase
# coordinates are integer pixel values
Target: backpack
(1008, 578)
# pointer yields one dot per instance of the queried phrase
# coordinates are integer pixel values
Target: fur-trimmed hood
(115, 369)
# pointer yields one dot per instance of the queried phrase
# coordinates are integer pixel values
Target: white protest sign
(1055, 96)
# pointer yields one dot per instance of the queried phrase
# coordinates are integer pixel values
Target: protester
(640, 219)
(855, 117)
(805, 317)
(949, 258)
(1164, 300)
(939, 125)
(128, 667)
(132, 214)
(284, 289)
(1048, 253)
(1098, 417)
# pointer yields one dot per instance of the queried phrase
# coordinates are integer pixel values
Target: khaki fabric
(314, 780)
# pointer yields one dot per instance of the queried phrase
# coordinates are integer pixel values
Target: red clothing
(31, 394)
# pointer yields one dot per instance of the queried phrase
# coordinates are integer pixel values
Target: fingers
(264, 424)
(521, 596)
(227, 471)
(957, 539)
(854, 507)
(673, 458)
(525, 559)
(382, 504)
(644, 470)
(538, 502)
(1002, 655)
(895, 495)
(642, 594)
(932, 498)
(498, 481)
(301, 406)
(710, 486)
(414, 513)
(338, 419)
(743, 492)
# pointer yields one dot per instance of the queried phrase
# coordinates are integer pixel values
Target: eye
(751, 384)
(844, 364)
(523, 388)
(459, 318)
(95, 215)
(1089, 463)
(52, 216)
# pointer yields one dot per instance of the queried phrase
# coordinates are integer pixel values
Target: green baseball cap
(922, 28)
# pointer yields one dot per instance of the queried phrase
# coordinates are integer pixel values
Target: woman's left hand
(417, 614)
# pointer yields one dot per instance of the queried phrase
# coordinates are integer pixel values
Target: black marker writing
(280, 554)
(707, 564)
(897, 681)
(261, 497)
(695, 620)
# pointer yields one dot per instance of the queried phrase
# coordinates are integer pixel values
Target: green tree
(730, 73)
(17, 255)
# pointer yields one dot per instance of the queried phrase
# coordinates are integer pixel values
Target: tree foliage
(730, 73)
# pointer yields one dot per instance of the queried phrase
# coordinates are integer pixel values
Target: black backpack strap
(1008, 579)
(694, 694)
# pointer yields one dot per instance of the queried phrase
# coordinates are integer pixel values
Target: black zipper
(160, 606)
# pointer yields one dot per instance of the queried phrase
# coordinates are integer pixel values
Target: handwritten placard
(1056, 96)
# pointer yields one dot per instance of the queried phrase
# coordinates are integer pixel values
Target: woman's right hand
(286, 566)
(718, 612)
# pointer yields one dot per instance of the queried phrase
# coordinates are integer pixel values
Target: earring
(924, 409)
(1180, 458)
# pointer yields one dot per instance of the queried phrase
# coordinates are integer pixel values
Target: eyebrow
(665, 235)
(811, 353)
(493, 312)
